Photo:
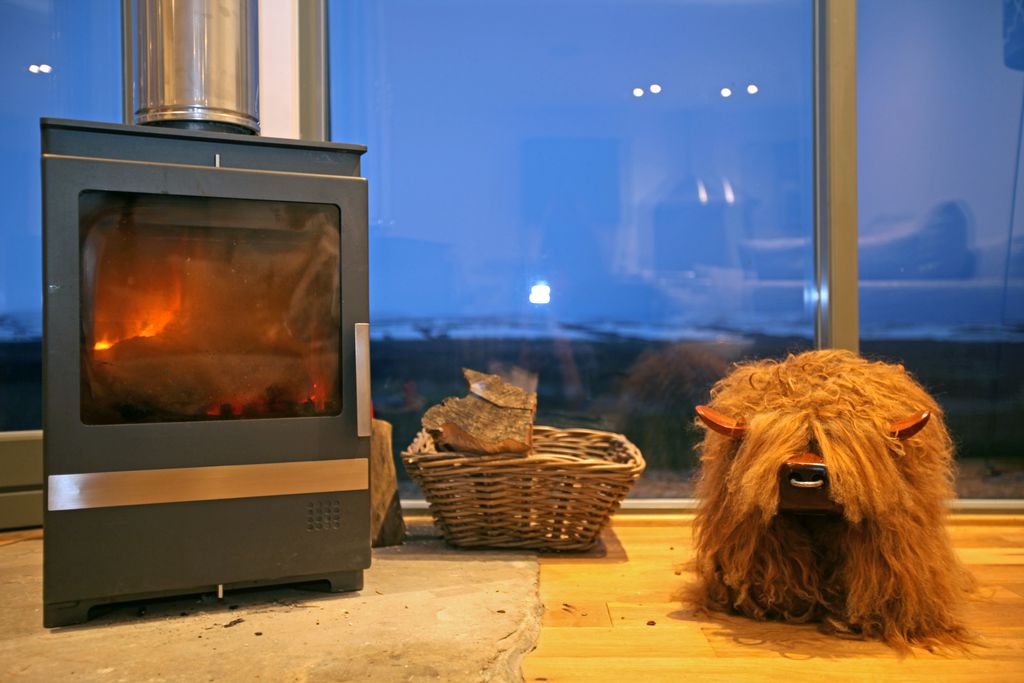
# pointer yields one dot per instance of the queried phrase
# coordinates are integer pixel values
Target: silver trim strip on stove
(190, 484)
(364, 404)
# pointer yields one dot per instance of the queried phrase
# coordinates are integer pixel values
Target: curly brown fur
(883, 569)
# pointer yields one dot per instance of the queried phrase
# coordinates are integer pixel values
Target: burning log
(496, 417)
(152, 379)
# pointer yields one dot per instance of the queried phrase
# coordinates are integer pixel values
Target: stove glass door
(199, 308)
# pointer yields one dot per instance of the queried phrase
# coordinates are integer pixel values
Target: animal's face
(803, 478)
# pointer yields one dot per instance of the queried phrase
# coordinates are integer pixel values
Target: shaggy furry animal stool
(822, 494)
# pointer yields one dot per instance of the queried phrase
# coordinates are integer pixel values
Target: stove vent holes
(323, 515)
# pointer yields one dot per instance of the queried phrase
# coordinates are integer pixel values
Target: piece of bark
(495, 417)
(387, 527)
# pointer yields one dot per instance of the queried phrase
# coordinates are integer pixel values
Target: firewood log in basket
(495, 417)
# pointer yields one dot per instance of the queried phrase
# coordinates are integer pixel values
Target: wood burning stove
(206, 379)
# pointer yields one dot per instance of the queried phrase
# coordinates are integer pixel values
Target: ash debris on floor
(428, 612)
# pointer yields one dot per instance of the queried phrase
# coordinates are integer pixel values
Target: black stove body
(206, 380)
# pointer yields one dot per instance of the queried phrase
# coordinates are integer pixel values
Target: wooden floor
(609, 616)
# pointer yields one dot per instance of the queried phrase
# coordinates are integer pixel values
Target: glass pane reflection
(940, 89)
(76, 49)
(564, 188)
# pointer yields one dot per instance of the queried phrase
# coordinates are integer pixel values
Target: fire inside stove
(198, 308)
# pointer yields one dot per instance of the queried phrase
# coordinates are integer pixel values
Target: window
(59, 59)
(940, 87)
(612, 200)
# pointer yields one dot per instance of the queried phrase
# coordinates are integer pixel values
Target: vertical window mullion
(835, 174)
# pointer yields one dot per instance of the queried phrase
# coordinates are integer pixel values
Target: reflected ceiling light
(702, 192)
(655, 88)
(811, 296)
(34, 68)
(638, 92)
(730, 197)
(45, 68)
(726, 92)
(752, 89)
(540, 293)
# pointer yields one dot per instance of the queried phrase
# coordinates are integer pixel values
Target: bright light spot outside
(702, 192)
(34, 68)
(730, 198)
(752, 89)
(540, 293)
(638, 92)
(45, 68)
(655, 88)
(726, 92)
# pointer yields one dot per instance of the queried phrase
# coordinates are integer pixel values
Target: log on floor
(386, 524)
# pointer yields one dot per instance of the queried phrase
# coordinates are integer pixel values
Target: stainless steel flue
(196, 64)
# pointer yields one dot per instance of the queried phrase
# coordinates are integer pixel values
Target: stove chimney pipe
(195, 64)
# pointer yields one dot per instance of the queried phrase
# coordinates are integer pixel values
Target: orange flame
(150, 327)
(143, 308)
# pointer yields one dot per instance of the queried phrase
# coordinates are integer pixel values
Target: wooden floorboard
(610, 615)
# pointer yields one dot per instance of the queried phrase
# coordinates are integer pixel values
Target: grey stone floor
(427, 612)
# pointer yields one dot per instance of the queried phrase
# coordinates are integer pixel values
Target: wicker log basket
(557, 498)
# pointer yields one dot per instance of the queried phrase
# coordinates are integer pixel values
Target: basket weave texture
(557, 498)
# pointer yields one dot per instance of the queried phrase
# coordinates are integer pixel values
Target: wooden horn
(907, 427)
(734, 429)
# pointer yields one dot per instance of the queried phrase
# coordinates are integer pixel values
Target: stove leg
(67, 613)
(345, 581)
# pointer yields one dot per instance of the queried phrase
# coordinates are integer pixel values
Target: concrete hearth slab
(428, 612)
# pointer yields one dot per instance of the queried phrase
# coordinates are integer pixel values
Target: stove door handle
(364, 409)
